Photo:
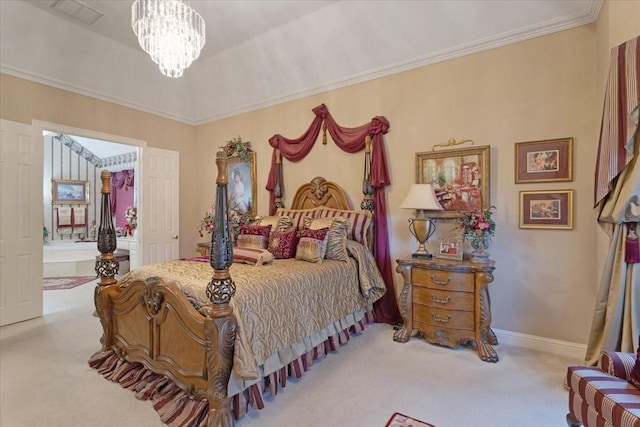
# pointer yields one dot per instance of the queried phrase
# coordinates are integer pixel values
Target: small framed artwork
(449, 249)
(460, 179)
(243, 186)
(546, 209)
(69, 192)
(544, 161)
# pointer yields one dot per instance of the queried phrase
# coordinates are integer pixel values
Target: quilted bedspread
(280, 307)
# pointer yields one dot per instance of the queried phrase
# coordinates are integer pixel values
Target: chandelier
(170, 31)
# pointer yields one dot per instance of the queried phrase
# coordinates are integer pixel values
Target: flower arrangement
(236, 219)
(478, 228)
(131, 215)
(237, 148)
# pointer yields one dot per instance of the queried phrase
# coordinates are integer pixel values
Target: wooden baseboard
(549, 345)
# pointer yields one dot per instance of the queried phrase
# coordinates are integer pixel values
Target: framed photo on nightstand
(449, 249)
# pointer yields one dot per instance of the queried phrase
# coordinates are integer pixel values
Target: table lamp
(421, 198)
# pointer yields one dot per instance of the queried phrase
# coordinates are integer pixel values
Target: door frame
(40, 126)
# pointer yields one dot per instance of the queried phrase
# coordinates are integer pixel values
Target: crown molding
(588, 16)
(70, 87)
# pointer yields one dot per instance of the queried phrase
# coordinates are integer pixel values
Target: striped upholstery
(617, 364)
(597, 399)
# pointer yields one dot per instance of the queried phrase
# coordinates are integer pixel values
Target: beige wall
(548, 87)
(539, 89)
(24, 101)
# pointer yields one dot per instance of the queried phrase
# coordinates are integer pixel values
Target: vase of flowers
(236, 219)
(478, 228)
(131, 215)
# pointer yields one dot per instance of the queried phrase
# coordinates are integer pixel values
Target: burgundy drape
(351, 140)
(120, 180)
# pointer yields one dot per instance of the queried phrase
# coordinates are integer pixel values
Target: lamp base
(425, 255)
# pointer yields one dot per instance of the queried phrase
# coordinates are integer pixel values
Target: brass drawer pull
(439, 319)
(440, 282)
(440, 301)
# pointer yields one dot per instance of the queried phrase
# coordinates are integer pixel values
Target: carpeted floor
(66, 282)
(362, 384)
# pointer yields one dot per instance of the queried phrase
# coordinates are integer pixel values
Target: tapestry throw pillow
(277, 222)
(297, 216)
(358, 222)
(312, 245)
(283, 244)
(254, 236)
(634, 378)
(336, 238)
(252, 256)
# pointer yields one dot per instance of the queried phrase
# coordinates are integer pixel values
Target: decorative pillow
(251, 256)
(358, 222)
(634, 378)
(297, 216)
(254, 236)
(277, 222)
(282, 244)
(312, 245)
(336, 238)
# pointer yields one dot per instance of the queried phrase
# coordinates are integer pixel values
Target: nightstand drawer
(443, 299)
(448, 319)
(442, 279)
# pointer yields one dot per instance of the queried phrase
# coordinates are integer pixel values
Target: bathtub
(67, 258)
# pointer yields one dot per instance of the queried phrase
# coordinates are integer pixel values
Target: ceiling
(260, 53)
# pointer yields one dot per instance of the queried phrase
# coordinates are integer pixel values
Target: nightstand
(447, 302)
(203, 248)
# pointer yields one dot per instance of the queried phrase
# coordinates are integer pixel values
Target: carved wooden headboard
(320, 192)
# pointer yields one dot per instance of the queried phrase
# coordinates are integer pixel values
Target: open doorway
(72, 201)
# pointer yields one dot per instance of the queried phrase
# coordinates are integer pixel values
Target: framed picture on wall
(243, 188)
(70, 192)
(544, 161)
(460, 179)
(546, 209)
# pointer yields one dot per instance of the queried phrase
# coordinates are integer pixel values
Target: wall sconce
(421, 198)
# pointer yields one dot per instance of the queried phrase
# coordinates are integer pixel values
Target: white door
(159, 210)
(21, 222)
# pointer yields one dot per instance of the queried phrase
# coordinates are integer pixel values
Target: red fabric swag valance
(351, 140)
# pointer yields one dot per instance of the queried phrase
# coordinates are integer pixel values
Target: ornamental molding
(82, 151)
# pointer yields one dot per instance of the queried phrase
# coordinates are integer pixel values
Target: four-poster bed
(220, 343)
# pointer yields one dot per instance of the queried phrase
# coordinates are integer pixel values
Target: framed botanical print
(243, 188)
(460, 179)
(544, 161)
(69, 192)
(546, 209)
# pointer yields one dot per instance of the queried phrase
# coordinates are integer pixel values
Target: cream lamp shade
(421, 198)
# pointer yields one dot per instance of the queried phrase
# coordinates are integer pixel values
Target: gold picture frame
(549, 160)
(69, 192)
(460, 179)
(449, 249)
(546, 209)
(243, 187)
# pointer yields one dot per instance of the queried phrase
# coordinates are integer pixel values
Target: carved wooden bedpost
(278, 189)
(107, 265)
(220, 323)
(367, 189)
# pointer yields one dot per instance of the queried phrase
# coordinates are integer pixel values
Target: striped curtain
(616, 318)
(621, 100)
